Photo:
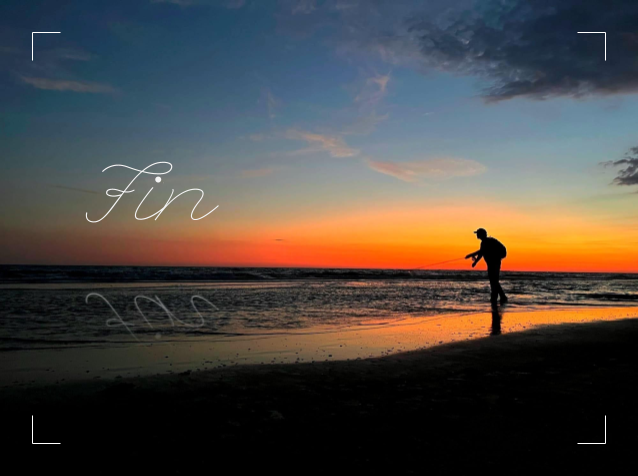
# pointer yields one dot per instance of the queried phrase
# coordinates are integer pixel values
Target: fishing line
(440, 262)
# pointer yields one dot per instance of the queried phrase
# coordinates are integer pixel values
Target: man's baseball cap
(481, 231)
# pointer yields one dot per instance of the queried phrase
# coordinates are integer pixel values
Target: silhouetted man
(492, 251)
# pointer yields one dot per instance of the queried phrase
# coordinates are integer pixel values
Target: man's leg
(502, 293)
(499, 289)
(492, 275)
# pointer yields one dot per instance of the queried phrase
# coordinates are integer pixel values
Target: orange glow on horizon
(398, 237)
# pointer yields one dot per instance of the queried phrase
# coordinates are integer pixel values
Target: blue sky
(280, 107)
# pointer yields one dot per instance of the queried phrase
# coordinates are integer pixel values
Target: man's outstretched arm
(472, 255)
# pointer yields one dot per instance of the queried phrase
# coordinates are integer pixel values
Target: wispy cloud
(303, 7)
(233, 4)
(334, 145)
(345, 5)
(374, 91)
(73, 189)
(365, 124)
(256, 137)
(181, 3)
(53, 68)
(366, 103)
(73, 54)
(67, 85)
(442, 168)
(230, 4)
(271, 102)
(10, 50)
(254, 173)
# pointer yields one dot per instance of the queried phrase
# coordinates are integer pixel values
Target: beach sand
(56, 363)
(521, 401)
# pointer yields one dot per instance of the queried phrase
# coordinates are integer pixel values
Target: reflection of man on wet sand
(492, 251)
(497, 317)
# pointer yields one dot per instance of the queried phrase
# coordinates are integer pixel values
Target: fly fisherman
(492, 251)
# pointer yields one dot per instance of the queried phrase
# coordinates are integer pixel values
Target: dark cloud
(518, 48)
(629, 174)
(532, 48)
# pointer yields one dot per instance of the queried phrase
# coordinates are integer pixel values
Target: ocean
(49, 307)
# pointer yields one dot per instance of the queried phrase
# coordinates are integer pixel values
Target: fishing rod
(440, 262)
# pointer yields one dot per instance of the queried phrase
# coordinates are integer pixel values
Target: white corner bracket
(601, 32)
(602, 443)
(33, 442)
(33, 33)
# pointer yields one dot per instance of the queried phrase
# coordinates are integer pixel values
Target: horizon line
(308, 267)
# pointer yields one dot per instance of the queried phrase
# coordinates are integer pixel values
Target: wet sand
(520, 401)
(315, 344)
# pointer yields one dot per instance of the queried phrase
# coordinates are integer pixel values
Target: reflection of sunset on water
(320, 343)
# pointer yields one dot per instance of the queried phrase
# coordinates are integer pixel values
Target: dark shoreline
(74, 274)
(496, 400)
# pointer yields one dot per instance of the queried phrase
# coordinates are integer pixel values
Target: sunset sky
(336, 133)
